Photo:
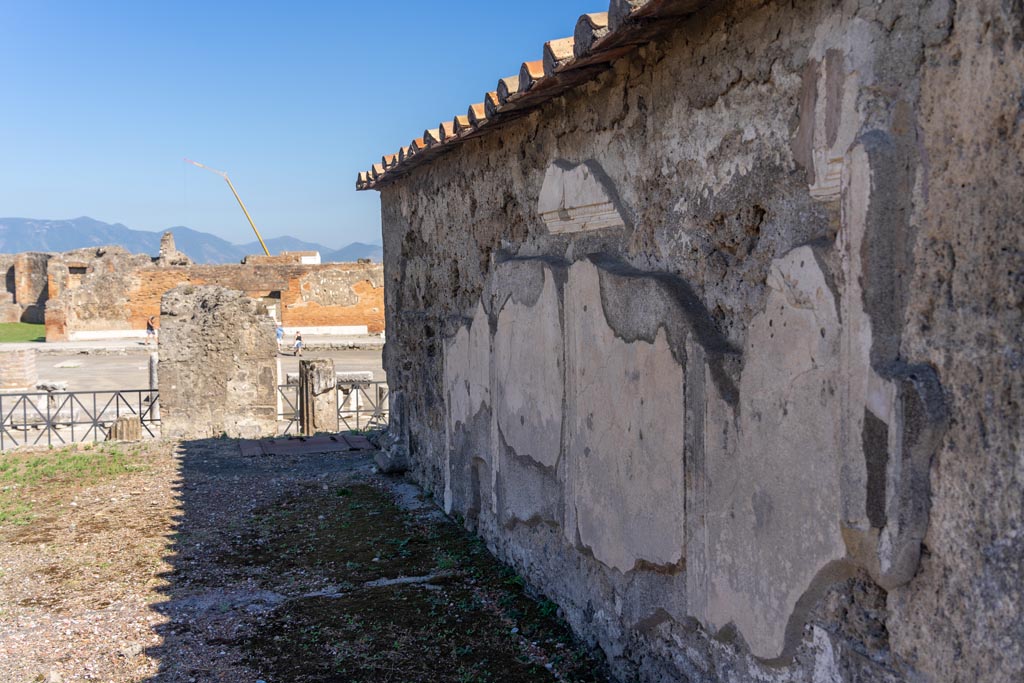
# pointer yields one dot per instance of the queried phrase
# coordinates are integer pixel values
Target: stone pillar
(318, 396)
(18, 370)
(154, 381)
(217, 367)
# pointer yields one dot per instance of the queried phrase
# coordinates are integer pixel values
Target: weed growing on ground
(465, 618)
(24, 475)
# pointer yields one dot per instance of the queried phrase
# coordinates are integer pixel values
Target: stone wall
(115, 292)
(723, 348)
(30, 283)
(18, 370)
(10, 312)
(218, 365)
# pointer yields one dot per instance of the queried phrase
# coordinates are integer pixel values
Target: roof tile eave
(599, 39)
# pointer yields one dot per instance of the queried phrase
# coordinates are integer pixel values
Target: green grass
(22, 332)
(22, 474)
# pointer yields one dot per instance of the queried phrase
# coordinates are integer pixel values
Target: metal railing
(361, 406)
(62, 417)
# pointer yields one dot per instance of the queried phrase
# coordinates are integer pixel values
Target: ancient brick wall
(120, 293)
(18, 370)
(722, 348)
(10, 312)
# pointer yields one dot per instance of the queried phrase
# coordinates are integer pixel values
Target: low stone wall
(18, 370)
(218, 365)
(722, 348)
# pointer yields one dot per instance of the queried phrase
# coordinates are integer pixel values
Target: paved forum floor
(130, 370)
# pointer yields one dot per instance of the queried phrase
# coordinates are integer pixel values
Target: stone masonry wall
(723, 349)
(31, 285)
(218, 369)
(120, 292)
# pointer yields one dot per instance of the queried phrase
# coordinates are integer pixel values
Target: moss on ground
(472, 622)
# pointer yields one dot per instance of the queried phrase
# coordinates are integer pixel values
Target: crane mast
(224, 175)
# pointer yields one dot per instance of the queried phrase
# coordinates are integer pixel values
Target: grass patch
(22, 332)
(22, 475)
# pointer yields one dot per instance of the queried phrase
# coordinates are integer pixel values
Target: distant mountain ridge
(30, 234)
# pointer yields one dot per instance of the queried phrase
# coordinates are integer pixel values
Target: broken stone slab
(394, 460)
(355, 376)
(125, 428)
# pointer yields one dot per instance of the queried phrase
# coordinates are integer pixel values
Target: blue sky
(100, 101)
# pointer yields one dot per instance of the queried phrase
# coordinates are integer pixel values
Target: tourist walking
(151, 330)
(297, 345)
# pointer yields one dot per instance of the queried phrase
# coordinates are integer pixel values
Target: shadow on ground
(315, 568)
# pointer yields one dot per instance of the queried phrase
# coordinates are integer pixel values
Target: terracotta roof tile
(506, 87)
(589, 29)
(491, 104)
(447, 129)
(599, 39)
(557, 54)
(529, 74)
(462, 124)
(477, 115)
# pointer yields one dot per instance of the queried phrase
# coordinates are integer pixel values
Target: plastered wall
(722, 349)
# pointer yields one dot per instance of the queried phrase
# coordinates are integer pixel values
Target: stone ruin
(108, 292)
(710, 323)
(218, 365)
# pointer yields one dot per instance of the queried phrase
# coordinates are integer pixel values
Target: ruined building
(710, 322)
(105, 292)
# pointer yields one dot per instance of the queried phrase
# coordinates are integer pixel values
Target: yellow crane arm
(224, 175)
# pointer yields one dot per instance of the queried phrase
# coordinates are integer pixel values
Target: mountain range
(29, 234)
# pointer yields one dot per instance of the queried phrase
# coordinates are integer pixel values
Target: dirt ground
(189, 562)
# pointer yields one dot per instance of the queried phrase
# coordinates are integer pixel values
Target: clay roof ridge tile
(557, 55)
(477, 114)
(529, 74)
(589, 29)
(447, 130)
(507, 87)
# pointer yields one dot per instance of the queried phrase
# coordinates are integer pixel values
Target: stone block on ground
(125, 428)
(318, 396)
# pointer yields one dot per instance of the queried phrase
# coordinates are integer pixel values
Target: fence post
(318, 396)
(154, 385)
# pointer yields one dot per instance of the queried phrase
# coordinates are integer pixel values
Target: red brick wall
(149, 285)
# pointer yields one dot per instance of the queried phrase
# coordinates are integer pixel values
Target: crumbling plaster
(814, 292)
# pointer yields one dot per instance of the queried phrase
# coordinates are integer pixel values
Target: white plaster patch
(626, 421)
(773, 492)
(466, 381)
(573, 199)
(528, 375)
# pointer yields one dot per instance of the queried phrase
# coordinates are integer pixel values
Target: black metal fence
(62, 417)
(361, 406)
